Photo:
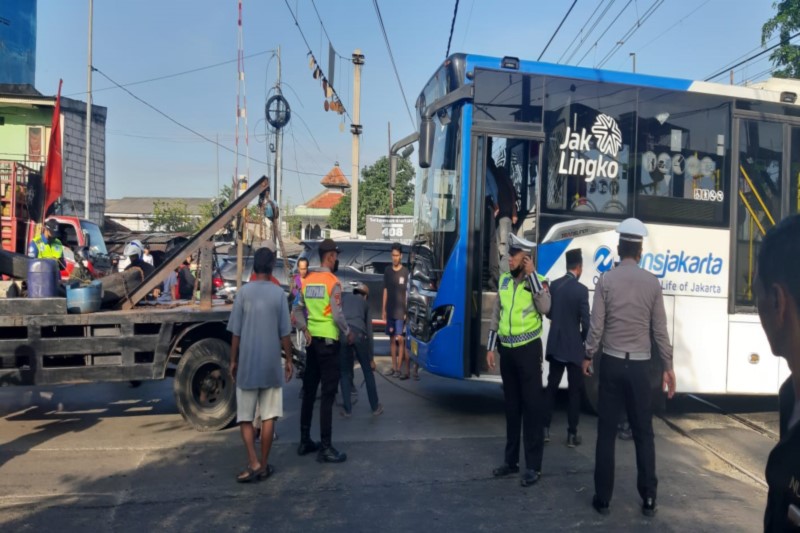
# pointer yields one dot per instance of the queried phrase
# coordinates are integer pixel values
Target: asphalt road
(108, 457)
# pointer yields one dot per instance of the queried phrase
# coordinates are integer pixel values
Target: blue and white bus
(708, 167)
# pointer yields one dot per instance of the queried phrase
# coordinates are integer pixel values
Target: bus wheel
(204, 389)
(591, 388)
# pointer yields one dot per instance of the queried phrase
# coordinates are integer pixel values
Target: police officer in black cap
(321, 297)
(628, 308)
(569, 325)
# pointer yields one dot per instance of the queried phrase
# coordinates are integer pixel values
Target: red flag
(52, 169)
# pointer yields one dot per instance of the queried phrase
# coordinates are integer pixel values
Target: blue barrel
(43, 278)
(84, 299)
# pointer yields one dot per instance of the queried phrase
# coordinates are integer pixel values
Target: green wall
(14, 133)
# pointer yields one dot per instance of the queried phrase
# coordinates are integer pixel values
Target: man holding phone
(522, 299)
(628, 307)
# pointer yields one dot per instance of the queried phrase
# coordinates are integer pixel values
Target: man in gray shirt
(260, 326)
(628, 307)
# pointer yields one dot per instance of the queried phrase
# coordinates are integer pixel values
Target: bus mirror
(426, 132)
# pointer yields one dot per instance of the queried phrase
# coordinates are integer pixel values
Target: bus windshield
(437, 195)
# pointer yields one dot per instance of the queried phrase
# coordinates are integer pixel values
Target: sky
(148, 155)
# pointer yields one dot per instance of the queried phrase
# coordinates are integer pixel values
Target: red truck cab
(82, 239)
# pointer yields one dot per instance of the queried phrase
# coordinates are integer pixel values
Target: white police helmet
(632, 229)
(518, 244)
(133, 248)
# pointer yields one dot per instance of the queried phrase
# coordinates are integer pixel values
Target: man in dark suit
(569, 325)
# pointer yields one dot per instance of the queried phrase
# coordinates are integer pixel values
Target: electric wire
(759, 47)
(605, 31)
(189, 129)
(725, 71)
(452, 27)
(394, 65)
(631, 31)
(174, 75)
(591, 29)
(660, 35)
(554, 33)
(325, 31)
(466, 29)
(311, 53)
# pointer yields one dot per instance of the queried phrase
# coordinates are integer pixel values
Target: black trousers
(322, 364)
(521, 370)
(575, 382)
(624, 384)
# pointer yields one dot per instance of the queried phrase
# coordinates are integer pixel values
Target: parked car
(359, 262)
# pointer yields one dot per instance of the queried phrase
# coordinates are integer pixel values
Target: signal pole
(355, 129)
(278, 144)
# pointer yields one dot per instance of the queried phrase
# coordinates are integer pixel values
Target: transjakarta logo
(681, 263)
(608, 140)
(603, 259)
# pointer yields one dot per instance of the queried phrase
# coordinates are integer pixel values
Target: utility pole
(633, 56)
(355, 129)
(391, 190)
(88, 159)
(278, 143)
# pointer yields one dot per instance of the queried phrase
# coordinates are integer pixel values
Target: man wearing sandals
(395, 285)
(260, 326)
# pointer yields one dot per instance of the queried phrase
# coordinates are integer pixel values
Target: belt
(633, 356)
(522, 337)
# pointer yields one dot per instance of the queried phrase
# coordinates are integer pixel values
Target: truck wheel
(204, 389)
(591, 388)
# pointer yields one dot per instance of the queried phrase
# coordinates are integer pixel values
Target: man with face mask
(569, 325)
(321, 297)
(522, 299)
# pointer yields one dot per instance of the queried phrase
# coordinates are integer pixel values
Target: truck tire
(204, 390)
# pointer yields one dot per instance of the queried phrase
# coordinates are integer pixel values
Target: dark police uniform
(321, 297)
(783, 468)
(569, 326)
(517, 326)
(628, 306)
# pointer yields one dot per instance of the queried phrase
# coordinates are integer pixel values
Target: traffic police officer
(522, 300)
(46, 245)
(628, 306)
(321, 296)
(778, 297)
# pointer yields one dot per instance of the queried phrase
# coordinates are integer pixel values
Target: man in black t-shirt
(395, 283)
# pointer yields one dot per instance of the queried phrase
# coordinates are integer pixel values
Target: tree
(373, 193)
(786, 57)
(172, 217)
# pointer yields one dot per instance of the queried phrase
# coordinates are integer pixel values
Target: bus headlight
(440, 317)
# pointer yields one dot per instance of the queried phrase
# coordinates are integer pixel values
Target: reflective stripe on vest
(48, 251)
(520, 322)
(317, 288)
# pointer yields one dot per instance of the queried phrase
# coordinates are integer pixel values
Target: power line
(605, 31)
(391, 56)
(452, 27)
(759, 47)
(311, 53)
(631, 31)
(740, 63)
(175, 75)
(326, 31)
(555, 32)
(187, 128)
(660, 35)
(589, 32)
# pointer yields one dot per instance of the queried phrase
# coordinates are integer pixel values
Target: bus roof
(769, 91)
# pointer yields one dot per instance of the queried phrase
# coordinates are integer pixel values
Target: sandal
(265, 473)
(247, 475)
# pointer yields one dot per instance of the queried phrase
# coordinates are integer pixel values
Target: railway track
(739, 437)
